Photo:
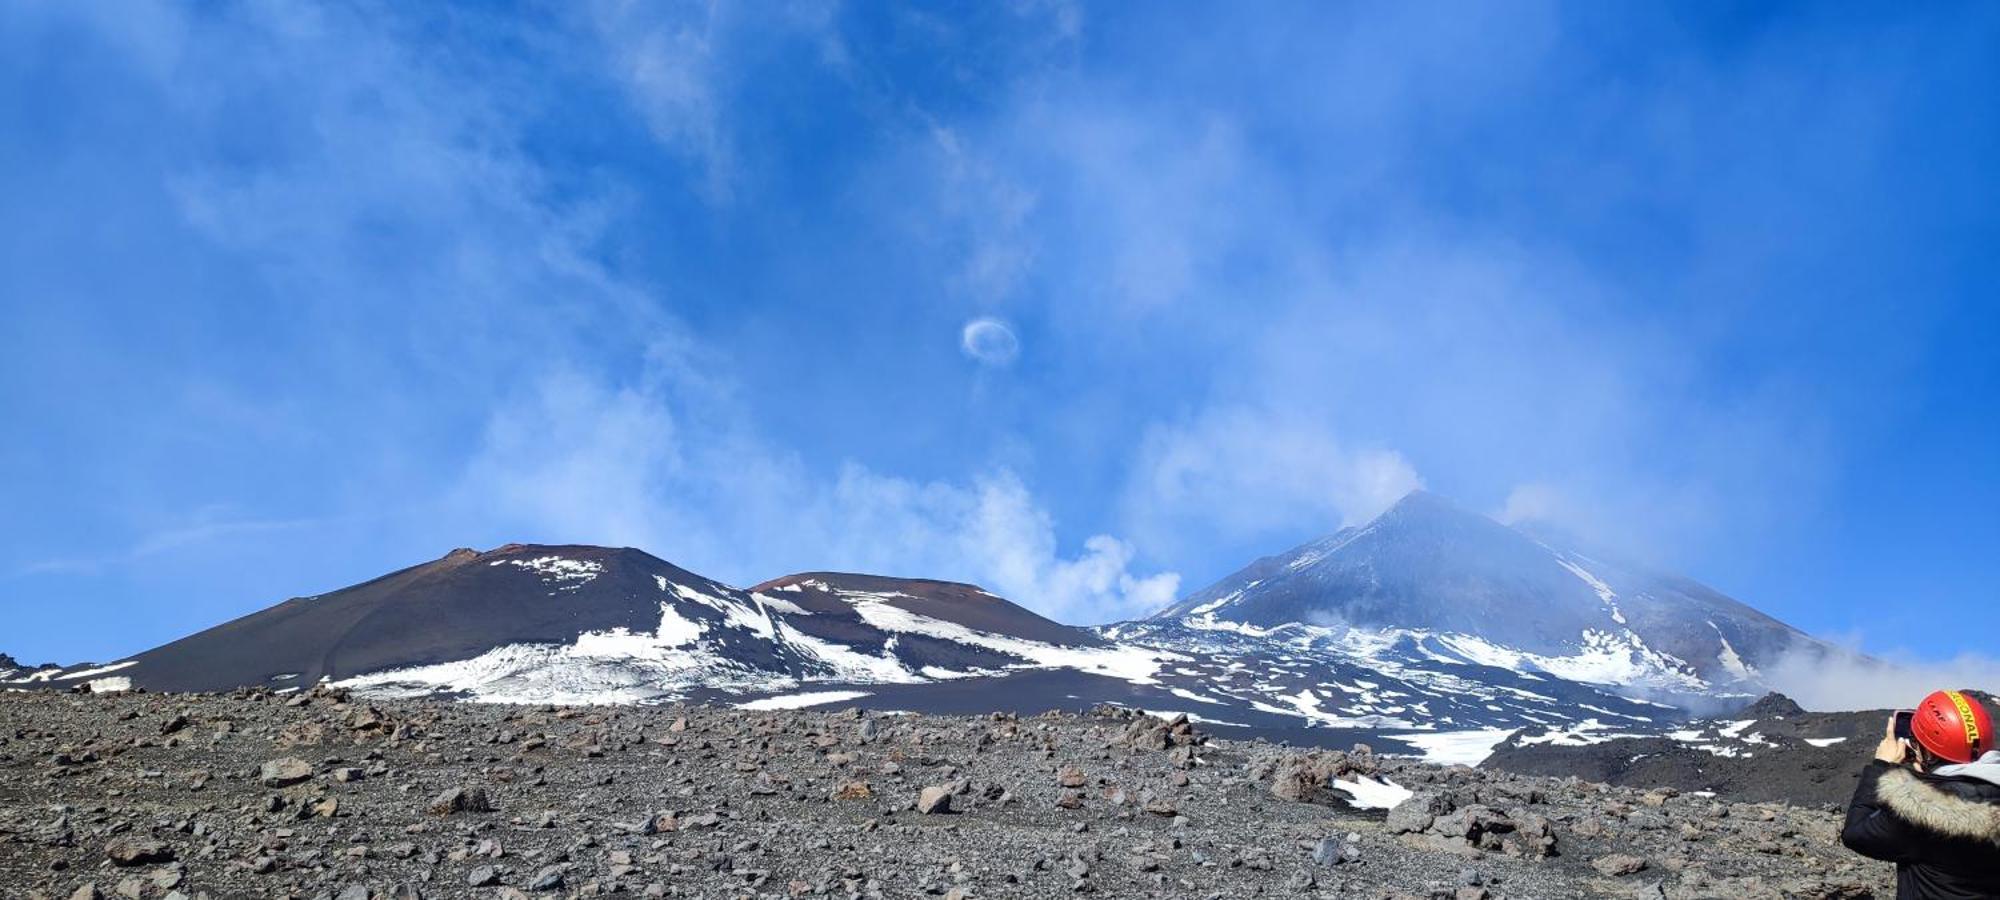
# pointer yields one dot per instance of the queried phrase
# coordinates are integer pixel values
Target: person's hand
(1892, 749)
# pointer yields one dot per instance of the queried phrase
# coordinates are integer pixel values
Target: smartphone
(1903, 719)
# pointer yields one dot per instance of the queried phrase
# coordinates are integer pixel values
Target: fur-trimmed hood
(1967, 809)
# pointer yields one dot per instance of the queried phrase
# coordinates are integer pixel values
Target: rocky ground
(322, 795)
(1771, 750)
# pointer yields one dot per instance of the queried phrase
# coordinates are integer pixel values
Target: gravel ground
(322, 795)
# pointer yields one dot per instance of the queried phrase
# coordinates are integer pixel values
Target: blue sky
(1088, 304)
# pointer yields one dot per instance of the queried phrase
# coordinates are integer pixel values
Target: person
(1930, 802)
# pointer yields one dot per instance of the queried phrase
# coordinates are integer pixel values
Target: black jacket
(1943, 834)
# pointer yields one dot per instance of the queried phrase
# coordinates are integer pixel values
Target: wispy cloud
(1847, 679)
(1240, 472)
(1484, 359)
(207, 527)
(684, 67)
(665, 464)
(989, 341)
(667, 57)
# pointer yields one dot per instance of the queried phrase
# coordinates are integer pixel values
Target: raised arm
(1871, 830)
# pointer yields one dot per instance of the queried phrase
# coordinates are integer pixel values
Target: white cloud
(989, 531)
(577, 459)
(1242, 472)
(664, 466)
(1844, 679)
(989, 341)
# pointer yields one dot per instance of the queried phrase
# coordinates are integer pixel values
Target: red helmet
(1953, 726)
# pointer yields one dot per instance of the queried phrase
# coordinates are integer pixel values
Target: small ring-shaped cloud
(989, 341)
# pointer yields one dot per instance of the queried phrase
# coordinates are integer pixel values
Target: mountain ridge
(1427, 564)
(1429, 627)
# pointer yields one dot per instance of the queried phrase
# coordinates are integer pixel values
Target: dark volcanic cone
(448, 609)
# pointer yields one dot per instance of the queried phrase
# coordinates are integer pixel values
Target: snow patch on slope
(1457, 748)
(544, 673)
(1213, 605)
(1582, 734)
(734, 615)
(1369, 793)
(613, 666)
(845, 663)
(100, 670)
(801, 701)
(1134, 664)
(1732, 662)
(1604, 657)
(1604, 592)
(570, 573)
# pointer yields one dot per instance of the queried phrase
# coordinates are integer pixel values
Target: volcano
(1428, 566)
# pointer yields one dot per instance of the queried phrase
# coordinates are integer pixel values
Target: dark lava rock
(1619, 864)
(548, 879)
(1417, 813)
(137, 851)
(460, 800)
(934, 799)
(285, 771)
